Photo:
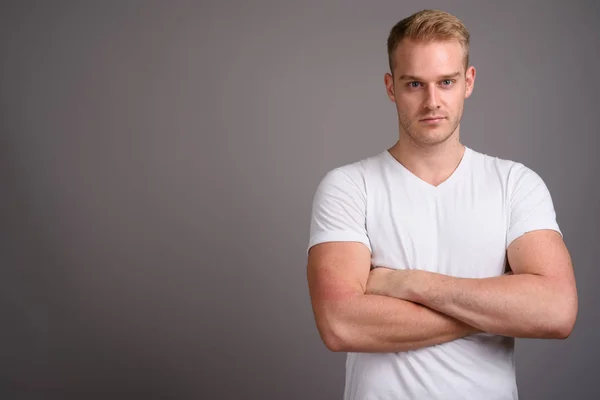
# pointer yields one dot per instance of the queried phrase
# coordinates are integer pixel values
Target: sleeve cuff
(522, 229)
(339, 236)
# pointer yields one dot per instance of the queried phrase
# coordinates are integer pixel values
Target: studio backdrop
(158, 161)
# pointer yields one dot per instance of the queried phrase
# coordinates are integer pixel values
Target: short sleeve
(531, 205)
(339, 210)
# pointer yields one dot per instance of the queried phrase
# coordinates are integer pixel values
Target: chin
(432, 138)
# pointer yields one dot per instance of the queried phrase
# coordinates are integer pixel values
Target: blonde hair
(428, 26)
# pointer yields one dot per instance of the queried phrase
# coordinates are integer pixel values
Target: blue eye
(447, 82)
(414, 84)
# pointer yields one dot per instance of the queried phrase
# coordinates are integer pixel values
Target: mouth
(435, 117)
(432, 120)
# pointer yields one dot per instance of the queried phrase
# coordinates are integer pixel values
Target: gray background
(158, 162)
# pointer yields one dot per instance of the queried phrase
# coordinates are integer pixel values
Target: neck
(432, 163)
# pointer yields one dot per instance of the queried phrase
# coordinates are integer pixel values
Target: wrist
(387, 284)
(415, 286)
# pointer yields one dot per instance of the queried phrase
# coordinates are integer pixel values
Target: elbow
(334, 343)
(562, 330)
(567, 325)
(336, 325)
(335, 338)
(334, 334)
(564, 321)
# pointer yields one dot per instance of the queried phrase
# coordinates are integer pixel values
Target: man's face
(429, 87)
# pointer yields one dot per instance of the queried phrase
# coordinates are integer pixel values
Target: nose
(432, 101)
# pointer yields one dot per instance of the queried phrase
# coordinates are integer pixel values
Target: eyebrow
(416, 78)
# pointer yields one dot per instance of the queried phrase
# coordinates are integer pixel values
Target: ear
(470, 81)
(389, 86)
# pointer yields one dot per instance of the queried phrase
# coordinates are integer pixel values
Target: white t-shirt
(460, 228)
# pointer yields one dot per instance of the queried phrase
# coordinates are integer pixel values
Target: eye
(447, 82)
(414, 84)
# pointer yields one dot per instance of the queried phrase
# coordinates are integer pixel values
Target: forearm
(522, 305)
(373, 323)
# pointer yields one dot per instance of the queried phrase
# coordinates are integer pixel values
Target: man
(426, 260)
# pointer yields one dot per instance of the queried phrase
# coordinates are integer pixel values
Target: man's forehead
(429, 58)
(442, 50)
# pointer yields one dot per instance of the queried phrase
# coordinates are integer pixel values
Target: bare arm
(538, 301)
(350, 320)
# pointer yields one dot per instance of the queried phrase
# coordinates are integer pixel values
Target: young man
(426, 260)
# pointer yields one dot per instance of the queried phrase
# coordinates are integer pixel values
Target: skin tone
(360, 309)
(537, 300)
(430, 81)
(429, 88)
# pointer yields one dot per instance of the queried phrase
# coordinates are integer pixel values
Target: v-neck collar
(458, 171)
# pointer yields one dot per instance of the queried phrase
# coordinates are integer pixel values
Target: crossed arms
(357, 309)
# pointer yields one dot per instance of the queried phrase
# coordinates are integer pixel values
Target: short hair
(428, 26)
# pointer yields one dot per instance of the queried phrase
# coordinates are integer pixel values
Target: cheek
(454, 99)
(408, 106)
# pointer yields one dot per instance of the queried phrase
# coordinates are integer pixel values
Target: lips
(433, 118)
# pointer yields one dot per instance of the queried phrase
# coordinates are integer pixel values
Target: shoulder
(339, 204)
(512, 174)
(352, 176)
